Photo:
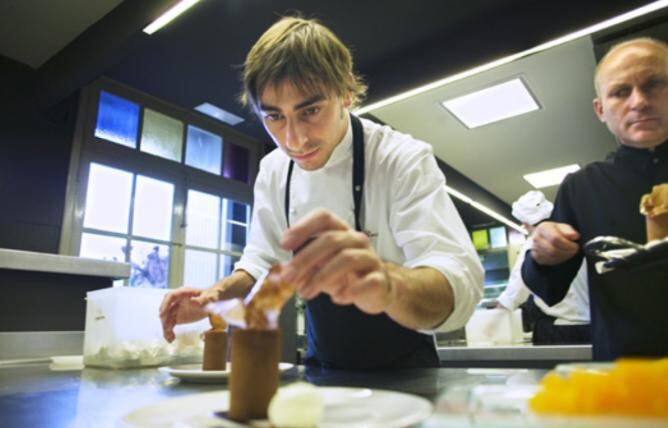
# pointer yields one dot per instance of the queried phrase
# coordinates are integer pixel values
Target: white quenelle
(299, 405)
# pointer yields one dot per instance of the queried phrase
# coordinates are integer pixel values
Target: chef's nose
(295, 136)
(639, 99)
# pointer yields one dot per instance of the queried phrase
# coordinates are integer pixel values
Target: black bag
(629, 306)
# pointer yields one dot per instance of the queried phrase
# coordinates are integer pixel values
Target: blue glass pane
(117, 120)
(204, 150)
(227, 264)
(238, 212)
(235, 163)
(238, 236)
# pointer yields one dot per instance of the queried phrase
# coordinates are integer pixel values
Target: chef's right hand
(554, 243)
(179, 307)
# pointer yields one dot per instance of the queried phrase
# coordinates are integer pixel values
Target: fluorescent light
(219, 114)
(480, 207)
(644, 10)
(492, 104)
(169, 16)
(550, 177)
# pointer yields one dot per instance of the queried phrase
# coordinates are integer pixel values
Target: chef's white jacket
(406, 211)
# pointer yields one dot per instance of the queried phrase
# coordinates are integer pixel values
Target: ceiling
(397, 45)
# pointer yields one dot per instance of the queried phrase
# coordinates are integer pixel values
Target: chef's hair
(639, 41)
(305, 53)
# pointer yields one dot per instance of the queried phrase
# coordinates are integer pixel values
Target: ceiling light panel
(550, 177)
(492, 104)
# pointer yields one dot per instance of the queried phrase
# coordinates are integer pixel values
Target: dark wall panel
(35, 147)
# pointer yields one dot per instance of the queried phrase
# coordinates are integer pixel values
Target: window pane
(204, 150)
(102, 247)
(200, 269)
(153, 208)
(108, 199)
(227, 264)
(202, 219)
(150, 264)
(234, 225)
(236, 160)
(117, 120)
(162, 135)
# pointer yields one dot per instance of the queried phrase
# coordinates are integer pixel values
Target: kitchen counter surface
(41, 394)
(520, 355)
(56, 263)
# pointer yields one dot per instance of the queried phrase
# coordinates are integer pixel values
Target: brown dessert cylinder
(215, 350)
(254, 373)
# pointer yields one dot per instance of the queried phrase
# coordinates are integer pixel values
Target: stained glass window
(150, 264)
(102, 247)
(202, 214)
(108, 199)
(204, 150)
(234, 225)
(153, 208)
(162, 135)
(236, 162)
(117, 120)
(200, 268)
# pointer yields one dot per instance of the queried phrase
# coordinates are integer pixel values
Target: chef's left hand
(338, 261)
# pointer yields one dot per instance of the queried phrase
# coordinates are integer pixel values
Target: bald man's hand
(554, 243)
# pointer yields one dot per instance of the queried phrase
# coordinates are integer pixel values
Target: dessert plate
(194, 372)
(343, 407)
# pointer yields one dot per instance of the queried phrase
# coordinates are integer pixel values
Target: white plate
(601, 366)
(344, 407)
(194, 372)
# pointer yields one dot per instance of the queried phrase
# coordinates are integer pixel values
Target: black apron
(345, 337)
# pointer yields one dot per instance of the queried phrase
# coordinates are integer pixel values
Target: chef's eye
(272, 117)
(310, 111)
(620, 92)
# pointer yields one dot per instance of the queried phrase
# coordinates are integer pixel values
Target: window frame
(88, 149)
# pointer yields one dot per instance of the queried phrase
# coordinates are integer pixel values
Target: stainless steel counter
(524, 355)
(35, 395)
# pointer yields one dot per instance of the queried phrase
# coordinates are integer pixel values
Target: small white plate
(343, 407)
(600, 366)
(194, 372)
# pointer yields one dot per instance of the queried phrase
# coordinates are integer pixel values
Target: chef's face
(633, 95)
(307, 127)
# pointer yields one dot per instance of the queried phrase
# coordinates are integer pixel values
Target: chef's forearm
(422, 297)
(237, 285)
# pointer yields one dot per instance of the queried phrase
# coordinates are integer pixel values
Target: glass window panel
(497, 237)
(204, 150)
(200, 269)
(227, 264)
(162, 135)
(102, 247)
(236, 161)
(108, 199)
(117, 120)
(202, 219)
(153, 208)
(234, 226)
(150, 264)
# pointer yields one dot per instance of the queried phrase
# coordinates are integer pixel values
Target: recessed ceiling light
(492, 104)
(219, 114)
(550, 177)
(169, 16)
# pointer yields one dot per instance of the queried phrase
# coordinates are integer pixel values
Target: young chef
(391, 259)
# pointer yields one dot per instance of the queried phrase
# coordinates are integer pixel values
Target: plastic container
(494, 327)
(123, 330)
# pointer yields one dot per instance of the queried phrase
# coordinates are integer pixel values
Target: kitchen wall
(34, 156)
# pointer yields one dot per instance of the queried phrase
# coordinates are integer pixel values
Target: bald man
(602, 199)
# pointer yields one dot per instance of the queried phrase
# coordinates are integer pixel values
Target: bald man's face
(633, 95)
